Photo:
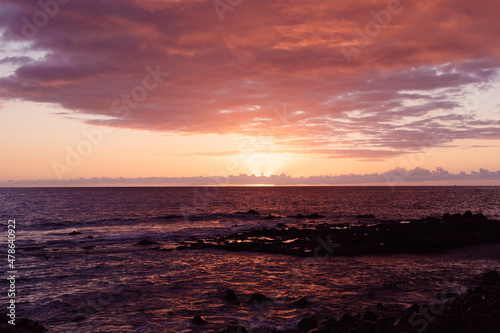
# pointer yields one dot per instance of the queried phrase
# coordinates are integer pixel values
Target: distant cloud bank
(395, 177)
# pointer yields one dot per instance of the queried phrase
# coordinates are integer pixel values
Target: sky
(185, 92)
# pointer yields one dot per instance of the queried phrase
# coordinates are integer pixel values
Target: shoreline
(423, 236)
(474, 309)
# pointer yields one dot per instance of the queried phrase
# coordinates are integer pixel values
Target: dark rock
(490, 278)
(315, 216)
(90, 237)
(171, 216)
(249, 212)
(146, 242)
(271, 217)
(78, 319)
(307, 323)
(403, 319)
(234, 329)
(198, 320)
(75, 233)
(230, 295)
(480, 290)
(348, 320)
(370, 316)
(447, 217)
(23, 325)
(386, 237)
(310, 216)
(321, 329)
(450, 295)
(365, 216)
(281, 225)
(479, 217)
(301, 302)
(323, 226)
(258, 298)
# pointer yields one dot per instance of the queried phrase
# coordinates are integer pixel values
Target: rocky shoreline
(378, 237)
(476, 310)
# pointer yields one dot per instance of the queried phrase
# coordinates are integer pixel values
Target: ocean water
(100, 280)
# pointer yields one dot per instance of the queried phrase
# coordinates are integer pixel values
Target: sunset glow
(139, 89)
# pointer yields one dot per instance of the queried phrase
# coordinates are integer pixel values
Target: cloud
(15, 60)
(406, 85)
(396, 177)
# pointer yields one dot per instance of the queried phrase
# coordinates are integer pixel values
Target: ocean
(80, 267)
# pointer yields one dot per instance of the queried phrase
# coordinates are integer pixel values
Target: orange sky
(193, 88)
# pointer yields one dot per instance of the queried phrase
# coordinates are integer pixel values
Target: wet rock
(450, 295)
(73, 233)
(281, 225)
(480, 290)
(146, 242)
(402, 321)
(301, 302)
(90, 237)
(78, 319)
(447, 217)
(164, 249)
(479, 217)
(491, 278)
(230, 295)
(249, 212)
(308, 323)
(234, 329)
(348, 320)
(169, 217)
(198, 320)
(23, 325)
(321, 329)
(365, 216)
(310, 216)
(271, 217)
(258, 298)
(386, 237)
(323, 226)
(369, 316)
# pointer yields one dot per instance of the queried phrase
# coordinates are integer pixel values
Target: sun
(262, 164)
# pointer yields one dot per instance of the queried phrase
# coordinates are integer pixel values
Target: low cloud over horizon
(396, 177)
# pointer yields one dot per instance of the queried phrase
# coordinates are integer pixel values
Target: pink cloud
(267, 55)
